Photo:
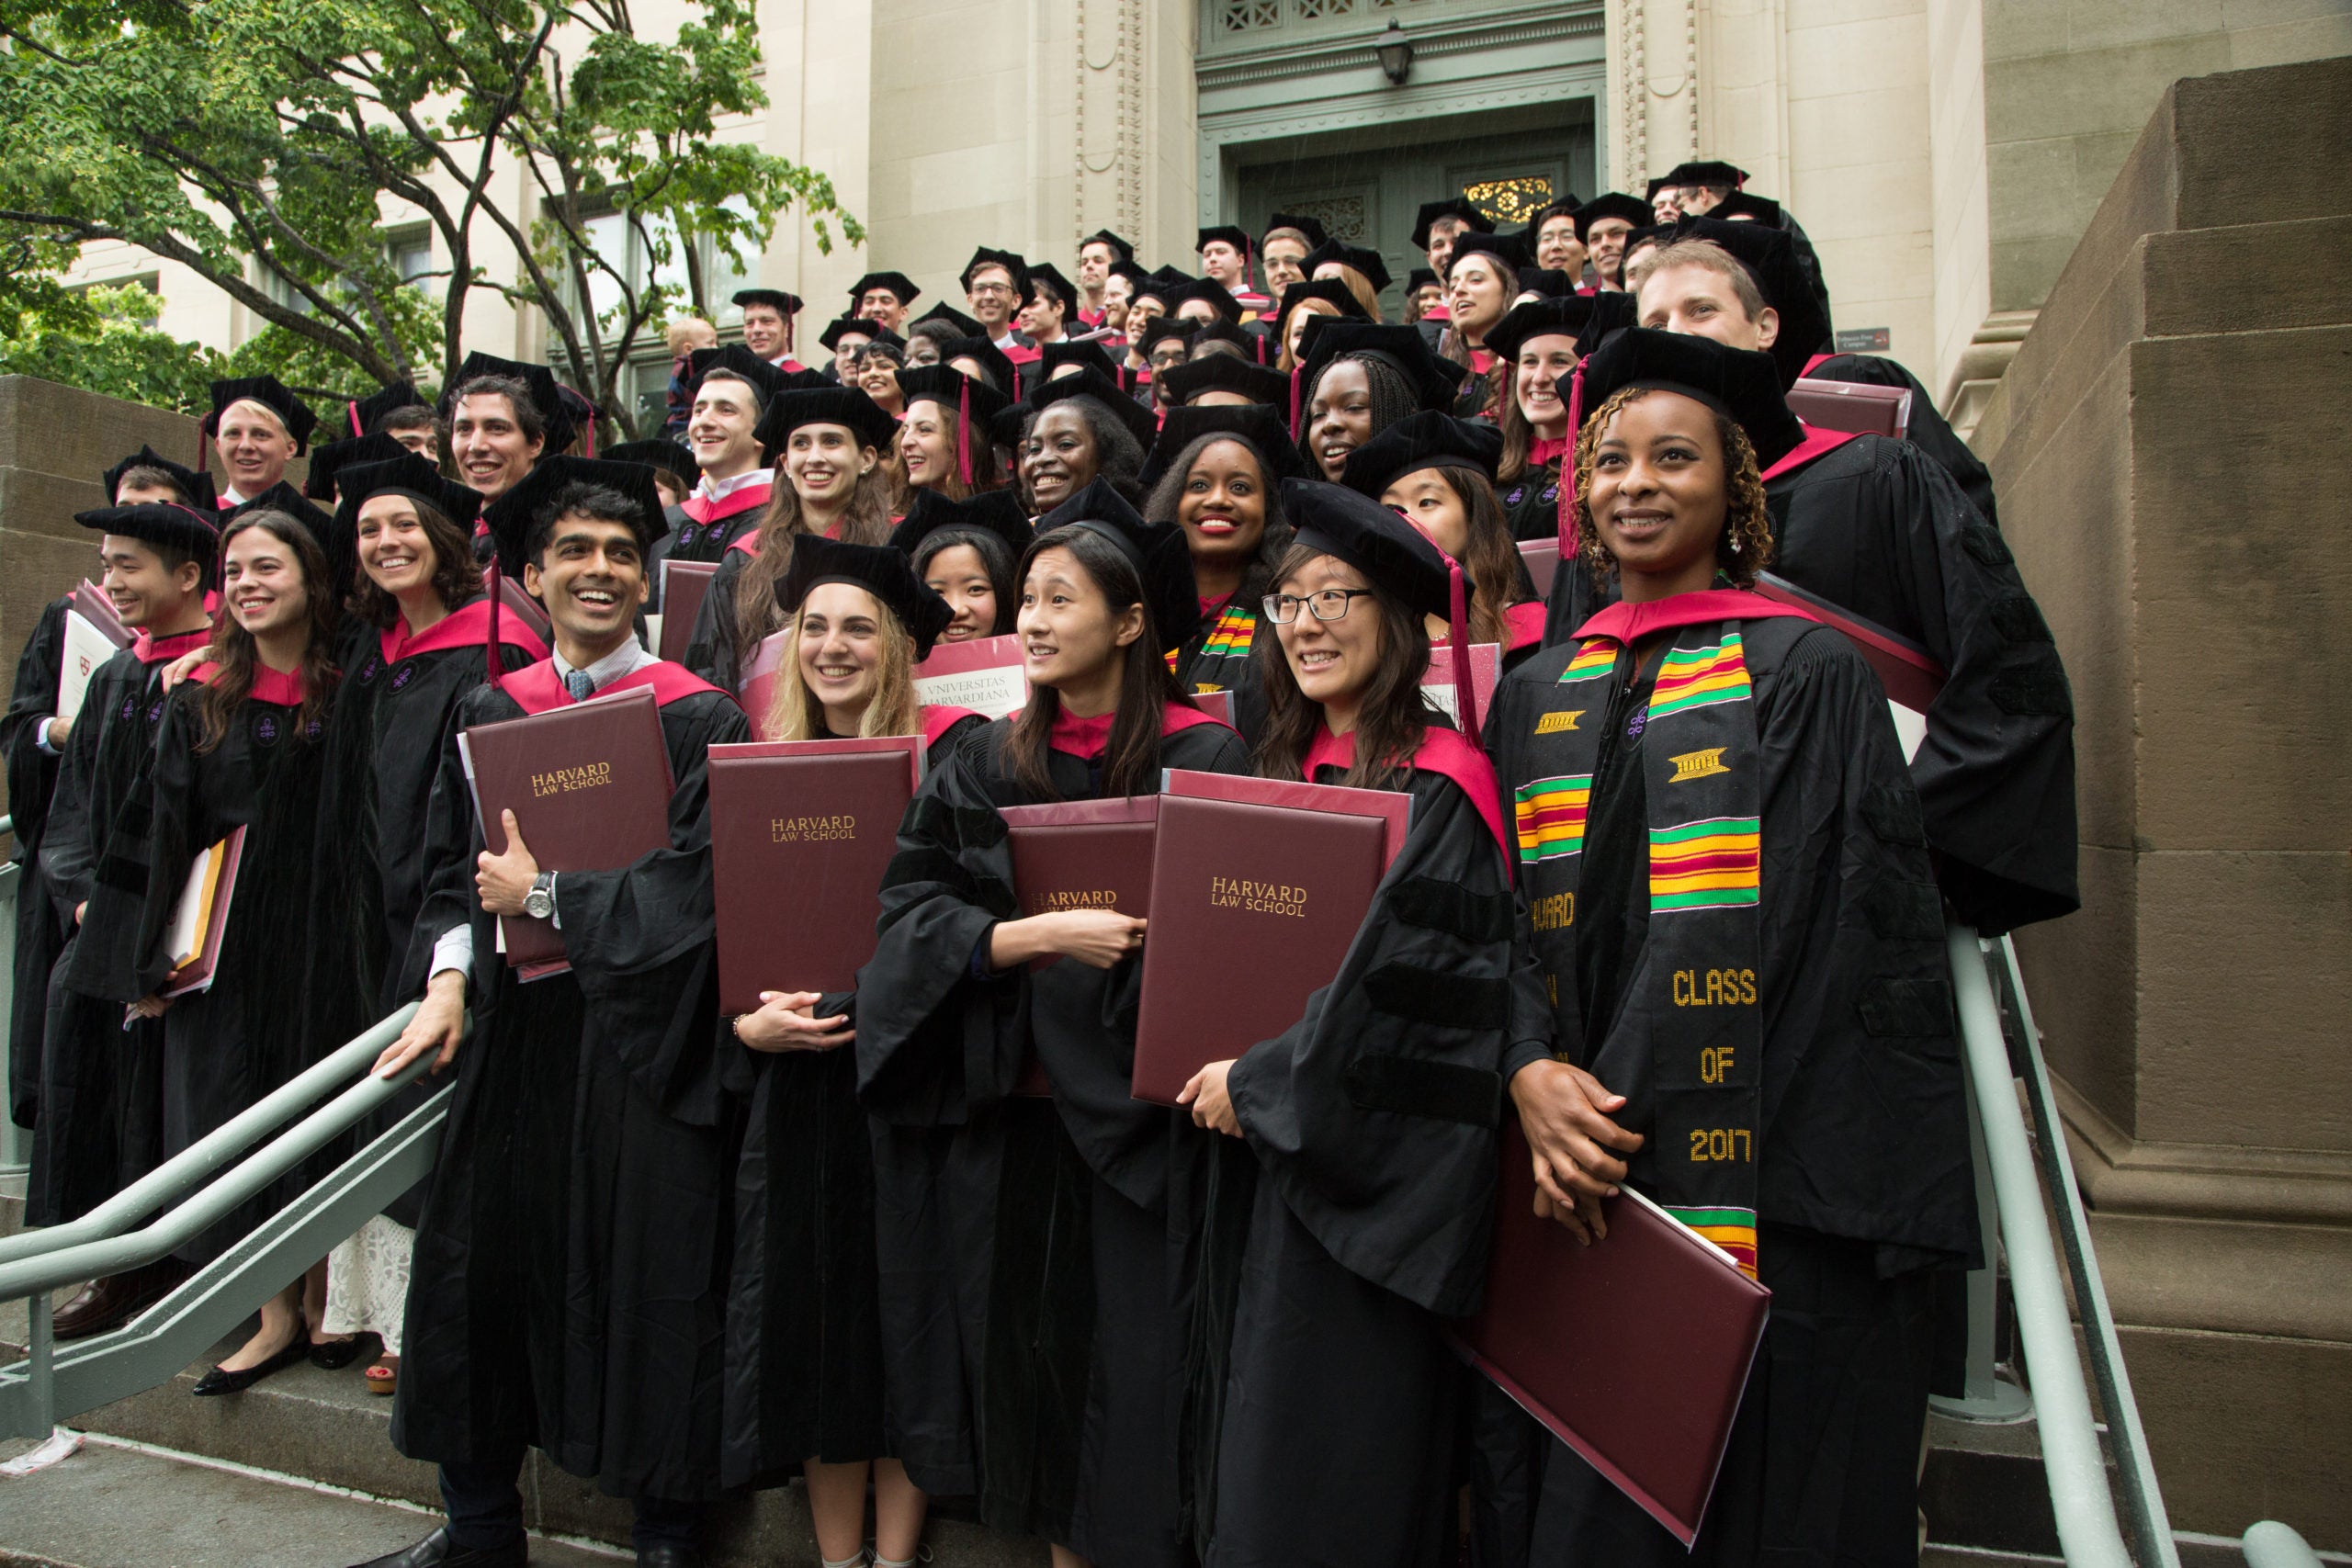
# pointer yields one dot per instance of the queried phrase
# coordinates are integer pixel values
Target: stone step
(326, 1428)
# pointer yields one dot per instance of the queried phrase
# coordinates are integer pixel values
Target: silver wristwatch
(540, 902)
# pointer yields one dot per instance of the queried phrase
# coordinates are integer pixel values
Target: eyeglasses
(849, 355)
(1330, 604)
(979, 289)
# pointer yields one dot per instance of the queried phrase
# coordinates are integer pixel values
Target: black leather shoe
(107, 1304)
(336, 1354)
(670, 1554)
(438, 1550)
(221, 1381)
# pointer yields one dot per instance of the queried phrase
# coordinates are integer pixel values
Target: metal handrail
(194, 1164)
(2088, 1531)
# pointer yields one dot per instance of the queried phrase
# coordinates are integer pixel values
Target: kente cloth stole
(1692, 1001)
(1230, 635)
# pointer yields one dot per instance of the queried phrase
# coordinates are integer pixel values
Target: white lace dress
(367, 1282)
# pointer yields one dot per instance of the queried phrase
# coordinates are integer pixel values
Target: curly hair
(456, 579)
(1745, 547)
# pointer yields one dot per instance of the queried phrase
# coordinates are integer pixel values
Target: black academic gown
(570, 1275)
(1862, 1175)
(32, 777)
(805, 1312)
(262, 1020)
(392, 720)
(1033, 1237)
(1221, 656)
(1875, 527)
(689, 540)
(1929, 430)
(710, 647)
(1531, 502)
(101, 1125)
(1324, 1400)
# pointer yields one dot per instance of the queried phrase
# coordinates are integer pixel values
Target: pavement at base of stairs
(113, 1506)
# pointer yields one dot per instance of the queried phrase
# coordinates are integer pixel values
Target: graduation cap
(546, 396)
(1420, 277)
(407, 474)
(283, 497)
(1563, 208)
(1587, 318)
(1656, 184)
(984, 256)
(942, 311)
(1612, 204)
(1646, 234)
(1223, 373)
(1254, 424)
(365, 415)
(512, 516)
(840, 327)
(1452, 207)
(1231, 233)
(1550, 282)
(994, 511)
(166, 526)
(888, 574)
(1051, 276)
(272, 394)
(1424, 440)
(1090, 353)
(1740, 207)
(1096, 388)
(1163, 329)
(1770, 257)
(1121, 252)
(1396, 559)
(738, 361)
(1332, 291)
(1706, 171)
(973, 400)
(1158, 551)
(1252, 344)
(1311, 229)
(1138, 280)
(1219, 297)
(897, 283)
(1003, 376)
(844, 406)
(196, 487)
(1163, 280)
(788, 305)
(1434, 381)
(1504, 248)
(1735, 381)
(1367, 263)
(583, 415)
(672, 457)
(331, 459)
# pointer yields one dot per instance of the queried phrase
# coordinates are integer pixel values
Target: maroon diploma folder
(1908, 672)
(1543, 559)
(1257, 890)
(684, 585)
(1858, 406)
(800, 834)
(1079, 854)
(1635, 1350)
(986, 675)
(589, 788)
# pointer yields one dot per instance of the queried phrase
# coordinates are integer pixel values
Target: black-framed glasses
(1330, 604)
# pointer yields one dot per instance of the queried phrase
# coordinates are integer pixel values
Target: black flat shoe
(438, 1550)
(336, 1354)
(670, 1554)
(218, 1380)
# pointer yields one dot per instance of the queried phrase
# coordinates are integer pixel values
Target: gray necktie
(577, 683)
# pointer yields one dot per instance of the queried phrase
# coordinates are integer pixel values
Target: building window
(410, 250)
(1511, 201)
(1248, 16)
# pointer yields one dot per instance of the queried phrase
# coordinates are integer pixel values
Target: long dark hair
(865, 521)
(1168, 495)
(1391, 718)
(236, 655)
(456, 579)
(995, 555)
(1491, 558)
(986, 475)
(1131, 763)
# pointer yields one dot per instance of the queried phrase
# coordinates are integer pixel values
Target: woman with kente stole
(806, 1309)
(1731, 899)
(1047, 1222)
(1356, 1220)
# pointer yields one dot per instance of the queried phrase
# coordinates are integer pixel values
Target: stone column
(2175, 479)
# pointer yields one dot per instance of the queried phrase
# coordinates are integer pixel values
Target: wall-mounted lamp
(1395, 54)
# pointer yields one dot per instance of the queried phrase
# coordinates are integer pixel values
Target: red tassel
(1465, 692)
(352, 408)
(495, 581)
(1568, 509)
(1294, 402)
(964, 431)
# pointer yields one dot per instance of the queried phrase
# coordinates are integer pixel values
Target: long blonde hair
(865, 521)
(797, 714)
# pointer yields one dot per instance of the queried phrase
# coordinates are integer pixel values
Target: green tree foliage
(100, 339)
(286, 136)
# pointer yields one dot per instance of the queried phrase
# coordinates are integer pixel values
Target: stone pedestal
(2175, 478)
(55, 443)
